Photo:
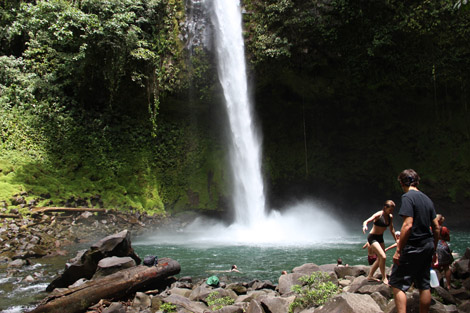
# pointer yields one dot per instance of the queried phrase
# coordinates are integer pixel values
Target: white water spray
(248, 195)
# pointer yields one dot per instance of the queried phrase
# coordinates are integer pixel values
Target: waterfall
(245, 154)
(301, 222)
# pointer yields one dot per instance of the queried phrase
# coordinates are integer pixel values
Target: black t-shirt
(417, 205)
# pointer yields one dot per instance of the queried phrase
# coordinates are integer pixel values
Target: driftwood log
(10, 216)
(114, 286)
(54, 209)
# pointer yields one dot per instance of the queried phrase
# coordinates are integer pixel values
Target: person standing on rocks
(382, 220)
(417, 245)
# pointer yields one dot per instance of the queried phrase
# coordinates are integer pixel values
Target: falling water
(248, 195)
(302, 222)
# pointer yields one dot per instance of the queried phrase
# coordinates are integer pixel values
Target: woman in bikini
(382, 219)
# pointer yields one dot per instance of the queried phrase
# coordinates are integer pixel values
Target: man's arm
(404, 235)
(435, 231)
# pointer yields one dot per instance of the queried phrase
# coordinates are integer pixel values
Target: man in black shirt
(417, 244)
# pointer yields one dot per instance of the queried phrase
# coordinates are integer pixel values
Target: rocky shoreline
(50, 234)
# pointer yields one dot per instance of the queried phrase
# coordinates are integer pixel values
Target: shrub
(316, 290)
(216, 303)
(168, 307)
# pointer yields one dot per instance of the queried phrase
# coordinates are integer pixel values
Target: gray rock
(287, 281)
(115, 307)
(381, 288)
(464, 306)
(180, 291)
(192, 306)
(350, 303)
(200, 293)
(141, 301)
(356, 271)
(238, 288)
(17, 263)
(306, 269)
(461, 268)
(277, 304)
(446, 296)
(380, 300)
(114, 245)
(234, 308)
(110, 265)
(328, 267)
(357, 283)
(255, 307)
(265, 284)
(461, 293)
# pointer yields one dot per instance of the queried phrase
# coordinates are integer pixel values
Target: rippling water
(203, 259)
(267, 261)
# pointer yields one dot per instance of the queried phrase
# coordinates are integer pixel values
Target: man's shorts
(415, 265)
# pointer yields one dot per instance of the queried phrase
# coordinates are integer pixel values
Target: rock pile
(38, 235)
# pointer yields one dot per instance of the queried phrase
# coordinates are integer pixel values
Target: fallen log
(54, 209)
(114, 286)
(10, 216)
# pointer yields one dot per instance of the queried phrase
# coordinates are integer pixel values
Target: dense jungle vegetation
(104, 99)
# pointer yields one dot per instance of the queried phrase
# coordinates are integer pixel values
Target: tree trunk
(115, 286)
(54, 209)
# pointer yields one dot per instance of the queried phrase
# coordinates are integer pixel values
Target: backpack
(151, 260)
(213, 281)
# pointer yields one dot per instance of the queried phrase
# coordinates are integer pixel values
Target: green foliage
(317, 289)
(168, 307)
(215, 302)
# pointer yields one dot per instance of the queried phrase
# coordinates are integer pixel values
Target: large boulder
(350, 303)
(356, 270)
(306, 269)
(461, 268)
(86, 263)
(191, 306)
(277, 304)
(255, 307)
(286, 282)
(381, 288)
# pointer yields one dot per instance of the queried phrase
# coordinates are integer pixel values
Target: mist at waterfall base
(303, 223)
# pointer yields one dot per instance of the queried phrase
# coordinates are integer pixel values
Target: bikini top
(381, 221)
